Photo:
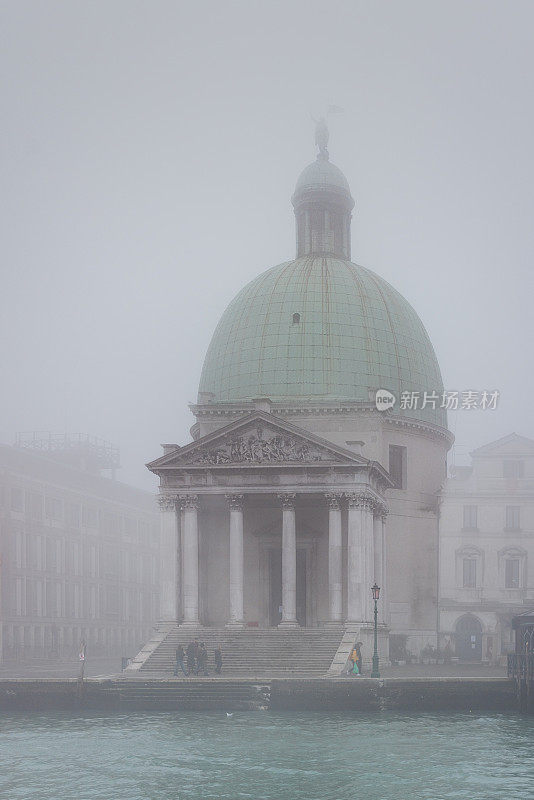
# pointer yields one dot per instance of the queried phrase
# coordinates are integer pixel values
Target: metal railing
(521, 666)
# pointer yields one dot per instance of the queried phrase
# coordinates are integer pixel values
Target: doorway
(275, 586)
(469, 638)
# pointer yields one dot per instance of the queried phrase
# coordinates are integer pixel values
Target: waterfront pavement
(106, 668)
(70, 668)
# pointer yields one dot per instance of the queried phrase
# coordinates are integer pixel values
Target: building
(80, 552)
(297, 493)
(487, 549)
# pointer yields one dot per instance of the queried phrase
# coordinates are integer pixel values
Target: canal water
(266, 756)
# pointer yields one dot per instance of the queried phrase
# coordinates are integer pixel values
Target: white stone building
(79, 553)
(296, 493)
(487, 549)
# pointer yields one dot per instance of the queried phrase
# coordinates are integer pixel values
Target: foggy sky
(150, 150)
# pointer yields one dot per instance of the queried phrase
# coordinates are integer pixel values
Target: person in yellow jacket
(355, 659)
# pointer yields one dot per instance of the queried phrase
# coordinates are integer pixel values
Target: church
(299, 489)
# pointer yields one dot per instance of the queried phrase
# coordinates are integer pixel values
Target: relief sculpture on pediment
(258, 449)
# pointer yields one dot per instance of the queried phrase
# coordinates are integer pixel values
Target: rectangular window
(37, 558)
(111, 561)
(59, 604)
(72, 513)
(512, 518)
(18, 596)
(19, 550)
(17, 499)
(513, 469)
(59, 557)
(53, 508)
(51, 551)
(92, 602)
(76, 604)
(112, 601)
(89, 517)
(397, 465)
(470, 573)
(93, 561)
(129, 528)
(75, 560)
(36, 505)
(470, 518)
(51, 597)
(39, 598)
(511, 574)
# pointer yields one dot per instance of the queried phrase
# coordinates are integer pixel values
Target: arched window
(296, 318)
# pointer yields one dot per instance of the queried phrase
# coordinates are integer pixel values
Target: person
(196, 651)
(218, 660)
(191, 661)
(202, 659)
(356, 659)
(180, 656)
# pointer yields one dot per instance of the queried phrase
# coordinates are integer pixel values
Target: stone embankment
(352, 695)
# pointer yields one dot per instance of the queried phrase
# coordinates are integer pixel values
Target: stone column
(169, 578)
(379, 535)
(235, 504)
(289, 562)
(360, 557)
(368, 556)
(189, 505)
(335, 597)
(355, 601)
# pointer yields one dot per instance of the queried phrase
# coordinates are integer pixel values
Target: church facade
(297, 493)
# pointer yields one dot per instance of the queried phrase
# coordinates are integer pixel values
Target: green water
(266, 756)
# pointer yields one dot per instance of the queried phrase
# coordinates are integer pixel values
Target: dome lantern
(323, 205)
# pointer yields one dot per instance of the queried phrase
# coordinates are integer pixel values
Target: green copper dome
(321, 328)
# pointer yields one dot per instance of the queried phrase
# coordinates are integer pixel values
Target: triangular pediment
(258, 439)
(511, 445)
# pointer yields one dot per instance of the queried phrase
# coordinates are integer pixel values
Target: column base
(191, 624)
(288, 623)
(166, 624)
(333, 623)
(235, 625)
(355, 625)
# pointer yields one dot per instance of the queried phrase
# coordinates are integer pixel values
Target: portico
(261, 516)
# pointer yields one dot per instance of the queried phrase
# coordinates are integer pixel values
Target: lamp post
(376, 595)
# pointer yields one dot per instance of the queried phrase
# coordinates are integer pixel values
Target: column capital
(235, 501)
(167, 502)
(189, 502)
(360, 500)
(382, 511)
(287, 499)
(334, 500)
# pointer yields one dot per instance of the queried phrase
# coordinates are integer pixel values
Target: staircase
(191, 695)
(250, 652)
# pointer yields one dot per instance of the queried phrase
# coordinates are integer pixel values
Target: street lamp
(375, 590)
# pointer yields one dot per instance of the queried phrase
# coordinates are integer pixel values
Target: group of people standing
(194, 660)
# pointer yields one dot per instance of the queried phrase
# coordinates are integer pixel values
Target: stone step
(300, 651)
(215, 694)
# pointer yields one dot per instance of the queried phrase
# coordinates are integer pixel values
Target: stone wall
(343, 695)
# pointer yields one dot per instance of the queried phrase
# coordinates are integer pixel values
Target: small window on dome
(296, 319)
